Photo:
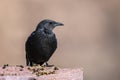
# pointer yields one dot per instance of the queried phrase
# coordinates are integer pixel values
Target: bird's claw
(47, 65)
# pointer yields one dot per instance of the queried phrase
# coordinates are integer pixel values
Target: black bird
(42, 43)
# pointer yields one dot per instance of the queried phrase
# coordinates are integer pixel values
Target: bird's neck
(47, 31)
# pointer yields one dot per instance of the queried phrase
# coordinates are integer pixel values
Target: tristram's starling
(42, 43)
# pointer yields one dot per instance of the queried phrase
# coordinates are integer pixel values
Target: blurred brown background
(89, 39)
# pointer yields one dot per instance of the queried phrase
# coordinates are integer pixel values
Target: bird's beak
(59, 24)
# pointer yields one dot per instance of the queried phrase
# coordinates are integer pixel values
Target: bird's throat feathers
(45, 31)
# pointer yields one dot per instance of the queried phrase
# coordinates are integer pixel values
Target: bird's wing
(34, 47)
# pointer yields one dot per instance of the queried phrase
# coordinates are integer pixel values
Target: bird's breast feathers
(41, 37)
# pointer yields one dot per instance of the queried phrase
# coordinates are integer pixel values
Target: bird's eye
(50, 23)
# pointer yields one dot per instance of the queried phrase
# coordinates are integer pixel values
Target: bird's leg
(31, 64)
(27, 60)
(47, 65)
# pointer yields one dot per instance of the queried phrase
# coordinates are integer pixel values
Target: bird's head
(48, 24)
